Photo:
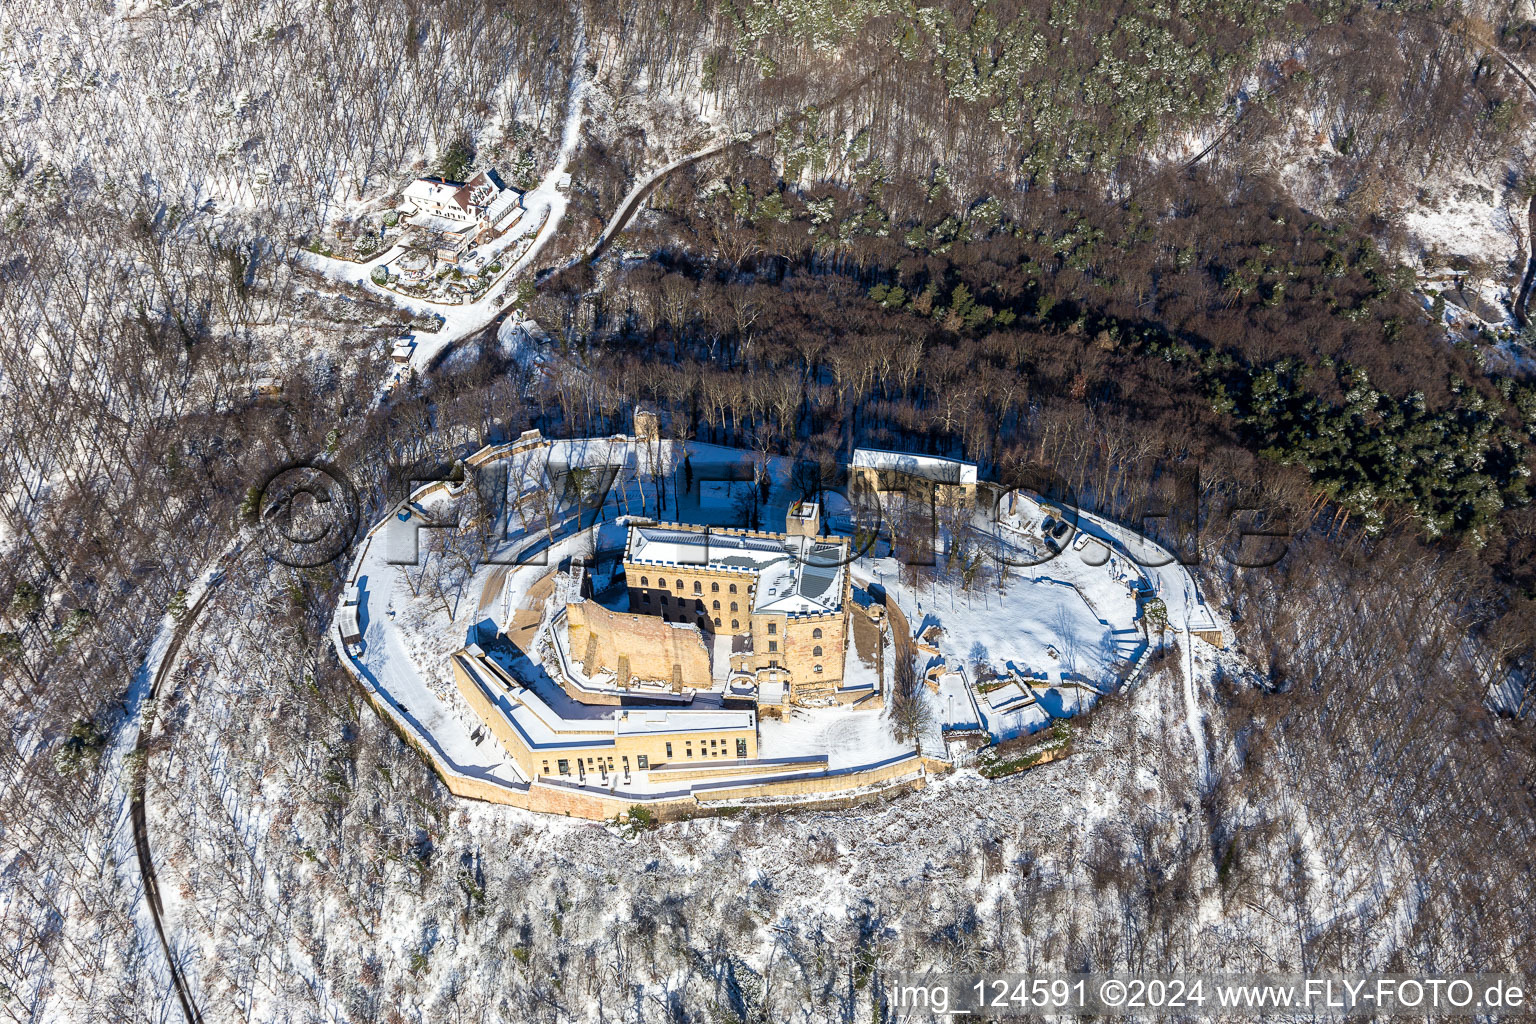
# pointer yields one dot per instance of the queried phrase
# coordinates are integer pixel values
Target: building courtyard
(587, 648)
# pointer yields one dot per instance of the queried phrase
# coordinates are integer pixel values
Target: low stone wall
(685, 773)
(1212, 637)
(838, 803)
(551, 797)
(863, 700)
(898, 768)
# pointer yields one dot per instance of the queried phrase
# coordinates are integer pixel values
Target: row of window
(645, 598)
(773, 627)
(773, 647)
(602, 764)
(735, 623)
(698, 588)
(716, 748)
(712, 750)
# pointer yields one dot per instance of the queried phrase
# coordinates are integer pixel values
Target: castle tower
(803, 519)
(647, 424)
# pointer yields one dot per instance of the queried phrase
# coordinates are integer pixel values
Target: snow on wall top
(632, 722)
(927, 467)
(542, 726)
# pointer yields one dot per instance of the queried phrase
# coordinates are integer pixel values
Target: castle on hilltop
(682, 666)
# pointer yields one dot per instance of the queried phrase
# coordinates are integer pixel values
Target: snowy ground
(792, 886)
(1018, 628)
(847, 738)
(1472, 222)
(859, 673)
(793, 876)
(1043, 641)
(139, 715)
(406, 668)
(1470, 219)
(957, 702)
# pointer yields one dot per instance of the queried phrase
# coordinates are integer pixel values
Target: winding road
(1522, 300)
(461, 323)
(646, 185)
(469, 322)
(158, 674)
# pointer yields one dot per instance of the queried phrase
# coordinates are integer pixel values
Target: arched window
(717, 606)
(698, 588)
(816, 651)
(714, 588)
(644, 582)
(678, 584)
(735, 624)
(818, 668)
(733, 606)
(733, 588)
(661, 581)
(717, 623)
(816, 635)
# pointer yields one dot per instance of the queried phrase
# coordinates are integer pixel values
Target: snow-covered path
(548, 193)
(644, 185)
(121, 786)
(399, 680)
(129, 847)
(459, 322)
(1186, 613)
(1194, 718)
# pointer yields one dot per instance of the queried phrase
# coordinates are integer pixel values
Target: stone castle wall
(601, 755)
(645, 646)
(691, 593)
(793, 645)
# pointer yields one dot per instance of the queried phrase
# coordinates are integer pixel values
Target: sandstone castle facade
(780, 600)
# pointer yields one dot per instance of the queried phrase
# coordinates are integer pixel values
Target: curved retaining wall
(827, 788)
(841, 788)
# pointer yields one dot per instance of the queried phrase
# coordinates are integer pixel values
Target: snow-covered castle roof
(795, 575)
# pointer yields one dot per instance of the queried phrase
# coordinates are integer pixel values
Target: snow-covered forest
(1265, 261)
